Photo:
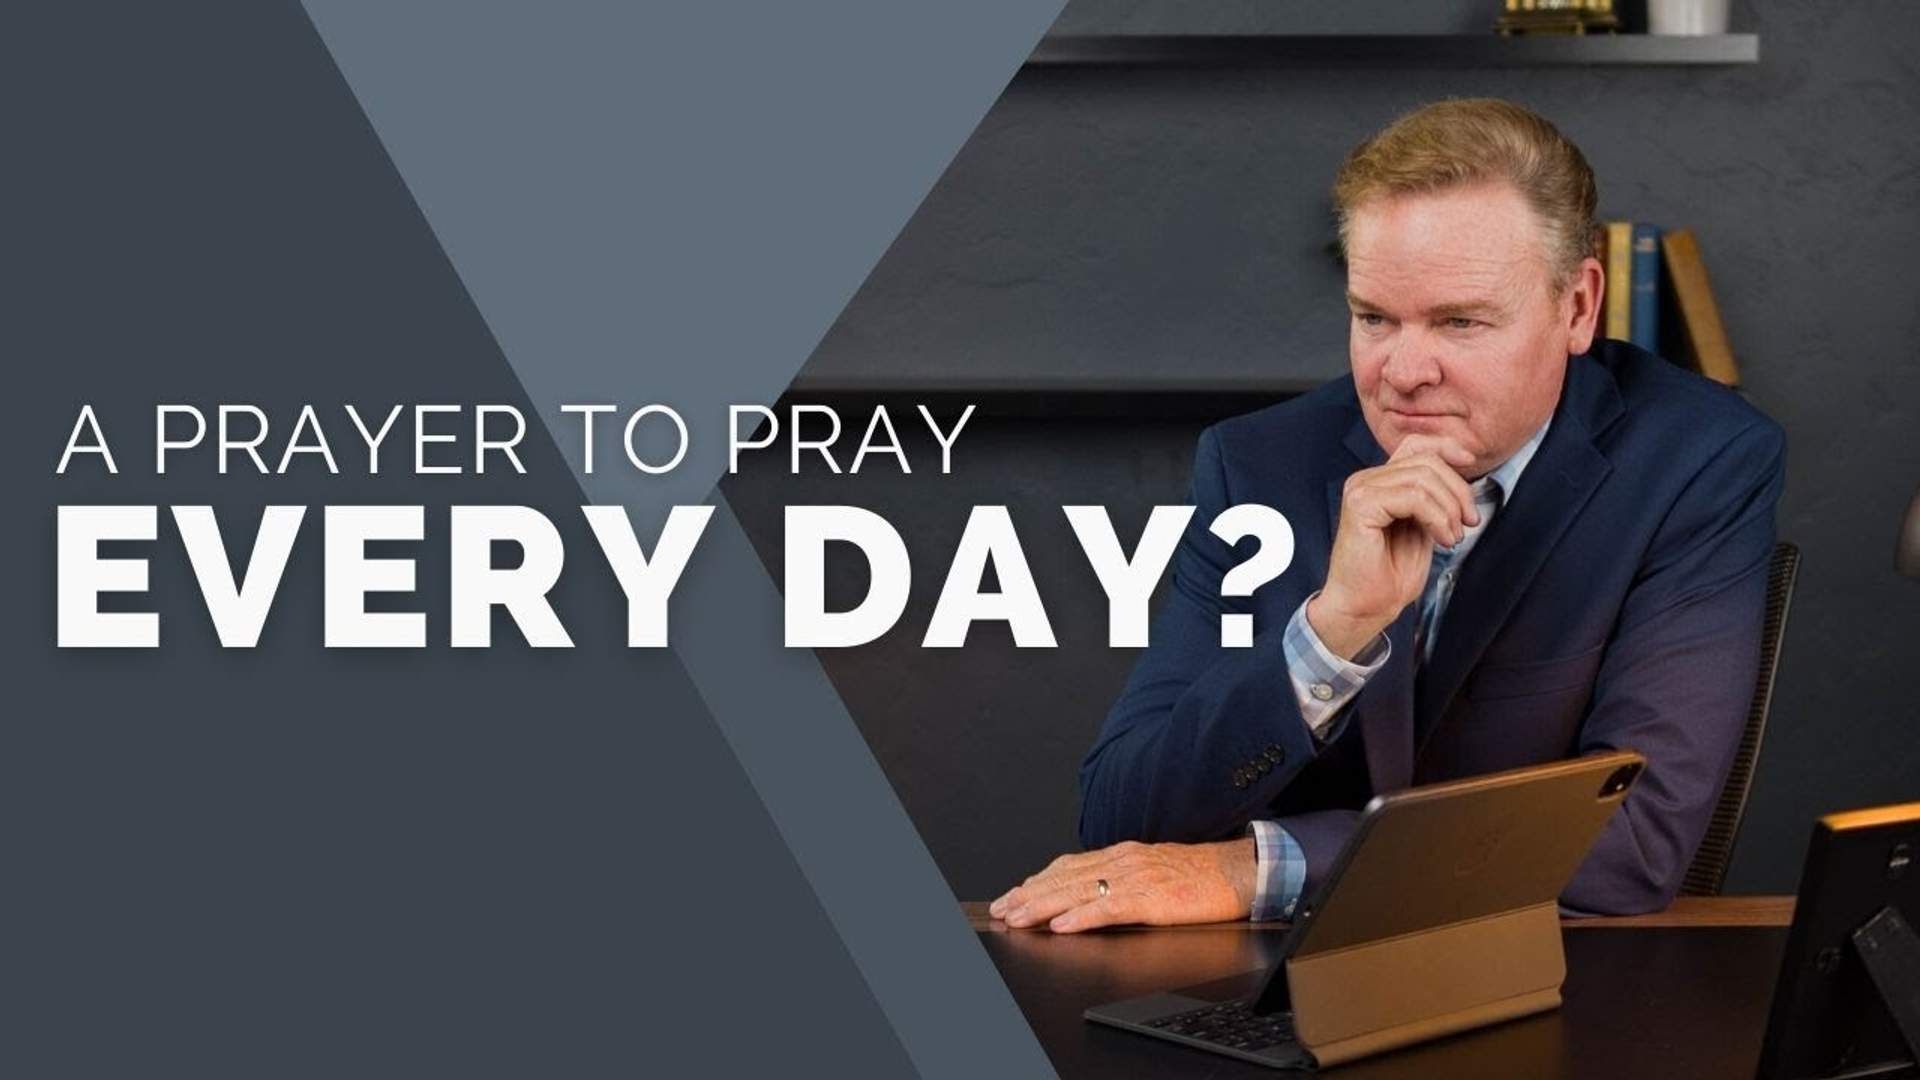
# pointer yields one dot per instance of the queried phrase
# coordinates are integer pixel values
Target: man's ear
(1585, 290)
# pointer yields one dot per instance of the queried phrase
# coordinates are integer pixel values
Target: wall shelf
(1174, 34)
(1392, 50)
(1027, 398)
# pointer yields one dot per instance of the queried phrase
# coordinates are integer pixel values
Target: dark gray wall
(1170, 225)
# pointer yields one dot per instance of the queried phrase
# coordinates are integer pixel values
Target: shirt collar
(1507, 475)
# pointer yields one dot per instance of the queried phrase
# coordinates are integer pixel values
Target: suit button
(1274, 756)
(1240, 779)
(1321, 691)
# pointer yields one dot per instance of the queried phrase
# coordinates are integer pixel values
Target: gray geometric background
(299, 861)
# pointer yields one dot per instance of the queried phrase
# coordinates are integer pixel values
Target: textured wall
(1147, 223)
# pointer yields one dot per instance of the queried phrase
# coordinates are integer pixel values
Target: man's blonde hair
(1475, 140)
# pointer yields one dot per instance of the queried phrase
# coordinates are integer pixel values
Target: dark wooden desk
(1682, 994)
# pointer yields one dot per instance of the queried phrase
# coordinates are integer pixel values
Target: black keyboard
(1232, 1024)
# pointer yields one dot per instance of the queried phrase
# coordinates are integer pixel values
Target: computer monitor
(1847, 1003)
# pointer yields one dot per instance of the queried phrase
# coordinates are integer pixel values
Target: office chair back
(1709, 869)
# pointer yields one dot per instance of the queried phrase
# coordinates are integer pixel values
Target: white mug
(1692, 17)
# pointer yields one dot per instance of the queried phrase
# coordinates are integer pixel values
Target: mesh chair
(1709, 868)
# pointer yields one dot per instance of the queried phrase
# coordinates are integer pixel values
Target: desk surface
(1679, 994)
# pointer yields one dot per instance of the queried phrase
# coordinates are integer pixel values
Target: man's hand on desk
(1155, 884)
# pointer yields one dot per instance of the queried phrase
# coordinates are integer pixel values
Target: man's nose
(1412, 364)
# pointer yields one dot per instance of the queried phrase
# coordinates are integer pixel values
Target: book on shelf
(1643, 316)
(1618, 307)
(1703, 335)
(1658, 297)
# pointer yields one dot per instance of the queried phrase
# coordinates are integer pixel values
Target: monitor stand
(1891, 952)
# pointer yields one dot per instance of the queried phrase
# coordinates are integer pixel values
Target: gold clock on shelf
(1558, 17)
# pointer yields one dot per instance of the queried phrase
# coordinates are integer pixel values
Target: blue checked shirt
(1324, 683)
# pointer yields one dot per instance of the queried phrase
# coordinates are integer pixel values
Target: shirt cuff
(1279, 871)
(1323, 683)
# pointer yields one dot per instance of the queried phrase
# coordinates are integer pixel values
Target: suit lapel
(1556, 485)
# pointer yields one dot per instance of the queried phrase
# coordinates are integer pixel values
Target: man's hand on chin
(1156, 884)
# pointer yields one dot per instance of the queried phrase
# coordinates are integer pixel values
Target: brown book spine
(1699, 313)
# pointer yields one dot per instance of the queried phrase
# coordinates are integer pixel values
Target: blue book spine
(1644, 319)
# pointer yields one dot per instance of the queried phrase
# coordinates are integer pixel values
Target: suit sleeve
(1202, 737)
(1679, 673)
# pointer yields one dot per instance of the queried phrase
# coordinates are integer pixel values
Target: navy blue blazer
(1615, 601)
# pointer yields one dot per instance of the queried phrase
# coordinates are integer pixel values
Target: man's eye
(1370, 319)
(1459, 322)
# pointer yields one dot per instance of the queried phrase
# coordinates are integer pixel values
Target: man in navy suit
(1514, 544)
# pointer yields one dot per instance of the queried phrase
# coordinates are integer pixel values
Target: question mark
(1235, 524)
